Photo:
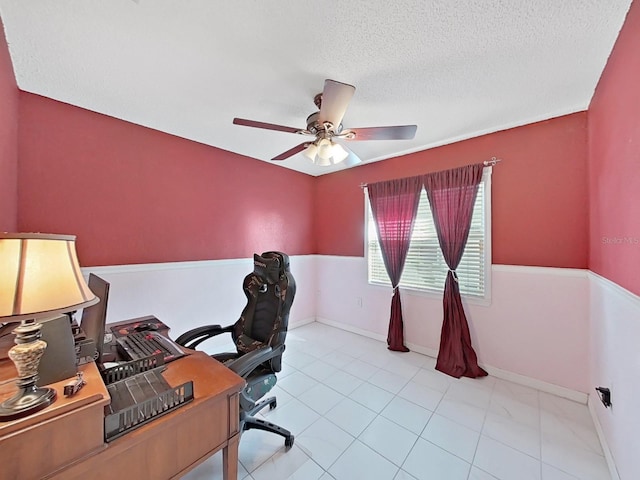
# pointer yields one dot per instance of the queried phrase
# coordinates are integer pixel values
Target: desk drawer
(162, 448)
(36, 452)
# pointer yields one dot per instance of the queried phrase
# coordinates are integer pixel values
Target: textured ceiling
(457, 69)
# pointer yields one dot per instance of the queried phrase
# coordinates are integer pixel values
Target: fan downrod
(317, 100)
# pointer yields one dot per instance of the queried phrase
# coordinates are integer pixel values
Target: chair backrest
(270, 290)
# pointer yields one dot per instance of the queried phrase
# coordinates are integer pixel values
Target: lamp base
(26, 355)
(28, 400)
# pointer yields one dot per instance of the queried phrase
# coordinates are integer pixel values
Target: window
(425, 268)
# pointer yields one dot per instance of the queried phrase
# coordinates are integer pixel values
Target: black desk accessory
(59, 359)
(146, 323)
(142, 344)
(139, 393)
(74, 386)
(94, 318)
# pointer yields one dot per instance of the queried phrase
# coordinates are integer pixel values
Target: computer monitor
(94, 317)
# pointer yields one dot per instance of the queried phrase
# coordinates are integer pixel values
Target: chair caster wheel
(273, 405)
(288, 441)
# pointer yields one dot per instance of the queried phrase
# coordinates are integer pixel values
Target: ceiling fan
(326, 126)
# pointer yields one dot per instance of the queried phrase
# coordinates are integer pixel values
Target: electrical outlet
(605, 396)
(359, 301)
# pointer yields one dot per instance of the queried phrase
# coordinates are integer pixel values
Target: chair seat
(259, 382)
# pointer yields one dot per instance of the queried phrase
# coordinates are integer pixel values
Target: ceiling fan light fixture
(322, 162)
(325, 150)
(311, 152)
(339, 153)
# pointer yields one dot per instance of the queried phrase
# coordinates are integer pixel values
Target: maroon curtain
(394, 205)
(452, 194)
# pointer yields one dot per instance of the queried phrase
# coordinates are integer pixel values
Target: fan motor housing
(314, 126)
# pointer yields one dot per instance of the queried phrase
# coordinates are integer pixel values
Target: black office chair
(259, 336)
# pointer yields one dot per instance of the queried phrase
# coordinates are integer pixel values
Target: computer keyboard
(138, 345)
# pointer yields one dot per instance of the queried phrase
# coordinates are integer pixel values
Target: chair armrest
(248, 362)
(193, 338)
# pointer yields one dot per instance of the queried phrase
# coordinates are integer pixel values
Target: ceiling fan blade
(398, 132)
(292, 151)
(267, 126)
(335, 100)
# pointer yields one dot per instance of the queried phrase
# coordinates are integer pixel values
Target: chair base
(271, 401)
(259, 424)
(249, 422)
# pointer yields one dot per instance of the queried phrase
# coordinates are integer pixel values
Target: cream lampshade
(40, 278)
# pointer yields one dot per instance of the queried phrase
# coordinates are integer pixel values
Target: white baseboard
(349, 328)
(429, 352)
(543, 386)
(613, 471)
(546, 387)
(300, 323)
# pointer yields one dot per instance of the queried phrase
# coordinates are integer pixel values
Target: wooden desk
(66, 440)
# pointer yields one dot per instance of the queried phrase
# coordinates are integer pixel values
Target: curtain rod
(487, 163)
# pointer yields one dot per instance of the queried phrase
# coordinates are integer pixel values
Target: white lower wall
(536, 326)
(547, 327)
(185, 295)
(615, 363)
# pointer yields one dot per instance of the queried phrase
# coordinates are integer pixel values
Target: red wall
(135, 195)
(614, 162)
(539, 193)
(8, 140)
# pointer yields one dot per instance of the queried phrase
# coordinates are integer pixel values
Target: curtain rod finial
(492, 162)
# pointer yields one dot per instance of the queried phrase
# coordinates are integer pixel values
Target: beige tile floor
(360, 411)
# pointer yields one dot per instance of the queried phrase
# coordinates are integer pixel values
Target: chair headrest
(267, 268)
(284, 259)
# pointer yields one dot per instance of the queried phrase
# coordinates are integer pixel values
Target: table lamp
(40, 278)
